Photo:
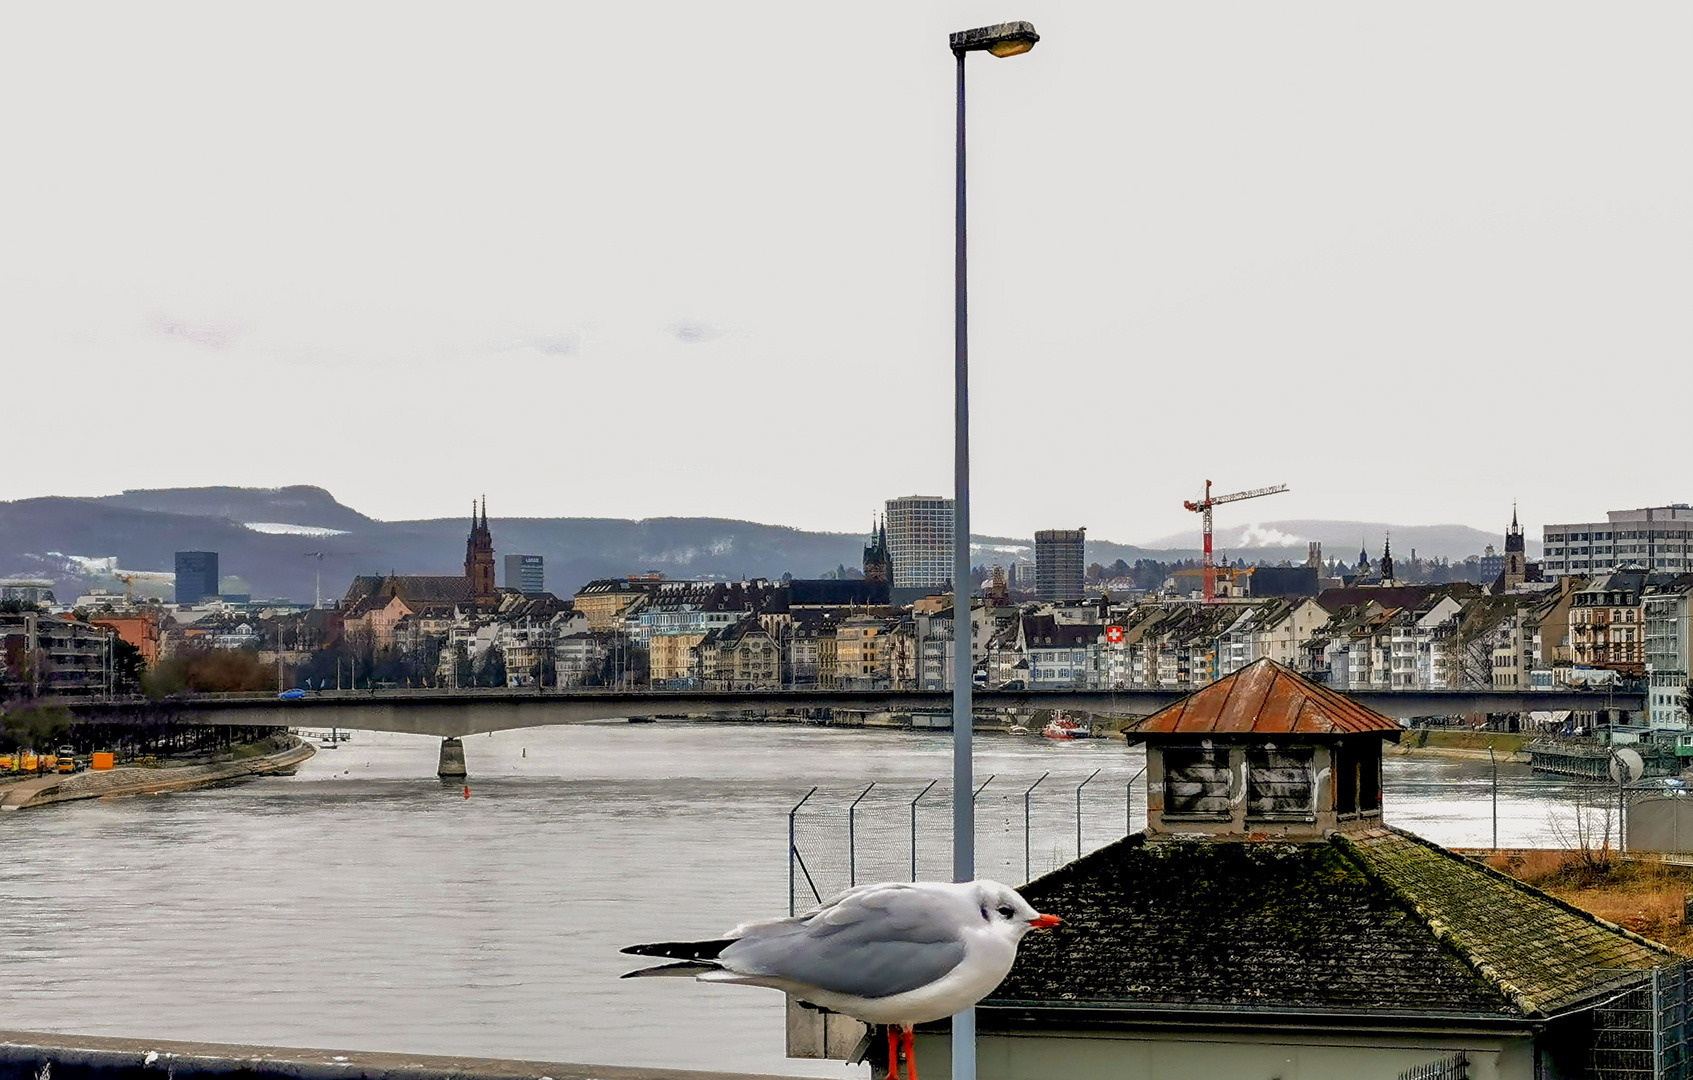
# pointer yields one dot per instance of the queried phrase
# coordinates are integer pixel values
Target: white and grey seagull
(897, 953)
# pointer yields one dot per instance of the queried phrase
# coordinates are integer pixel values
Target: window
(1279, 783)
(1196, 781)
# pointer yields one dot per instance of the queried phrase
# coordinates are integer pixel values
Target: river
(364, 904)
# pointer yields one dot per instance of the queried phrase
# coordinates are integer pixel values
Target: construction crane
(1204, 507)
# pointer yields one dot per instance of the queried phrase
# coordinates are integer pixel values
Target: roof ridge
(1436, 926)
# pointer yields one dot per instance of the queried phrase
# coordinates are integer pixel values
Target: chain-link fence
(1026, 825)
(1643, 1030)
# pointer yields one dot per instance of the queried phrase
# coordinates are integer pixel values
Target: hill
(273, 538)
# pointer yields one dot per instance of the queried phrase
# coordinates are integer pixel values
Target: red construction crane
(1204, 507)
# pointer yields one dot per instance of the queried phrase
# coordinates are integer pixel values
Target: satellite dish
(1626, 766)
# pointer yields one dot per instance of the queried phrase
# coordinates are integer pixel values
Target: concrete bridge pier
(452, 760)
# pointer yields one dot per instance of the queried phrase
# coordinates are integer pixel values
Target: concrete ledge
(27, 1055)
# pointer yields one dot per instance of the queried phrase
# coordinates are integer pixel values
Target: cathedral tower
(878, 563)
(479, 557)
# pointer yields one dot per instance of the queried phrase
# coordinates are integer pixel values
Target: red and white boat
(1062, 727)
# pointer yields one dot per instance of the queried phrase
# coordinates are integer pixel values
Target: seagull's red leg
(909, 1044)
(893, 1052)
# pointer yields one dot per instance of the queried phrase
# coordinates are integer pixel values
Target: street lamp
(1005, 39)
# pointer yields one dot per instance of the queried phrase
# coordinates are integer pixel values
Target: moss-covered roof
(1384, 922)
(1541, 952)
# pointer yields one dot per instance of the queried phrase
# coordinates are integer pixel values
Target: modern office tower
(1058, 563)
(920, 541)
(525, 573)
(196, 576)
(1651, 538)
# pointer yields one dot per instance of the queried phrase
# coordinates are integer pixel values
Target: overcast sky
(636, 260)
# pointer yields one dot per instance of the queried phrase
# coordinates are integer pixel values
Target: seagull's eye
(1006, 911)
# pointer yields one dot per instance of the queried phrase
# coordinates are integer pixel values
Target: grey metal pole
(1495, 763)
(914, 803)
(1027, 875)
(792, 850)
(852, 836)
(1079, 788)
(963, 798)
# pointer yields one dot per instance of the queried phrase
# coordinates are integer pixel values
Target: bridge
(453, 714)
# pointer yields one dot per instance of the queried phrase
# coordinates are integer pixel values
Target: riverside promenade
(285, 756)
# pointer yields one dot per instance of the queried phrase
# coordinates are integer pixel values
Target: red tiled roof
(1264, 698)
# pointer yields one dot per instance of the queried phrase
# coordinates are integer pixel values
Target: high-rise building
(1059, 563)
(196, 576)
(526, 573)
(1652, 538)
(919, 537)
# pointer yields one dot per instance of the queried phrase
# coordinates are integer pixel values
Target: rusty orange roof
(1264, 698)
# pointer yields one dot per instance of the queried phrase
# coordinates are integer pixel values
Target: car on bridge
(291, 695)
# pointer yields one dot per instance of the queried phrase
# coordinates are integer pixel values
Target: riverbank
(1463, 744)
(272, 757)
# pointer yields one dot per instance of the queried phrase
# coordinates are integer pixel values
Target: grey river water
(364, 904)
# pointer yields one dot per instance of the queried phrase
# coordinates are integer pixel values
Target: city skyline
(1285, 224)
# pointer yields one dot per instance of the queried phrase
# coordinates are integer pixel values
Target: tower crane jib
(1203, 507)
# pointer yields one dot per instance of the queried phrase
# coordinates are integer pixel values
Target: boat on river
(1062, 727)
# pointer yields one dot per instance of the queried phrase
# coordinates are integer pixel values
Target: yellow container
(8, 762)
(49, 763)
(67, 764)
(31, 762)
(102, 759)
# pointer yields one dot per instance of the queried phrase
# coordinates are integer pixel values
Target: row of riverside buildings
(1529, 629)
(1525, 632)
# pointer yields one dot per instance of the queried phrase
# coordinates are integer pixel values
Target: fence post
(1129, 802)
(852, 837)
(1079, 788)
(1027, 875)
(792, 850)
(1495, 763)
(914, 802)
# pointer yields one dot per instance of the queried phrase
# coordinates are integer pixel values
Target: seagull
(897, 953)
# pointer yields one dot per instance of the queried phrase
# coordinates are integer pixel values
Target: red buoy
(467, 791)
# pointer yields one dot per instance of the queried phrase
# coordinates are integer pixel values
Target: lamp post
(1005, 39)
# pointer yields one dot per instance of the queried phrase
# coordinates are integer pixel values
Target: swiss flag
(1114, 634)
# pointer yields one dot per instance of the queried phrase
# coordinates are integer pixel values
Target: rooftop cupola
(1263, 754)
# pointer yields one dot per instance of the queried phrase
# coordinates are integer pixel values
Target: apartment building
(1669, 638)
(1651, 538)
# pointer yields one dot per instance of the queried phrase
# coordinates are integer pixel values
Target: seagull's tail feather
(682, 968)
(682, 950)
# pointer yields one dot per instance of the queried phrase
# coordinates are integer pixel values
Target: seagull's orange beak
(1045, 922)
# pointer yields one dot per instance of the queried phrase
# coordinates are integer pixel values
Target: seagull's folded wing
(870, 942)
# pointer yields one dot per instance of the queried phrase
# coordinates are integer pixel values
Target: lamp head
(1003, 39)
